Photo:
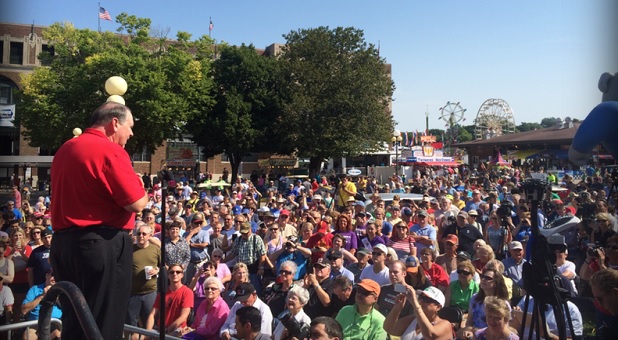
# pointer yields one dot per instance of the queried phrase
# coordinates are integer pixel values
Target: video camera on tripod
(540, 278)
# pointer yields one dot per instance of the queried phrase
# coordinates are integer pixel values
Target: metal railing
(79, 304)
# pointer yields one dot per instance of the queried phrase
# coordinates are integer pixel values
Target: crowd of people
(314, 259)
(375, 269)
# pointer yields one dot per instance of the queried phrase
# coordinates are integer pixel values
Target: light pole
(396, 139)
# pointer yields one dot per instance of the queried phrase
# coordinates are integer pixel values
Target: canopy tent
(499, 160)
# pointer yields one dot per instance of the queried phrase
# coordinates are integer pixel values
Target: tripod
(540, 280)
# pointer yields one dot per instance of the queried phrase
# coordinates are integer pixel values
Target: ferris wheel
(451, 114)
(494, 118)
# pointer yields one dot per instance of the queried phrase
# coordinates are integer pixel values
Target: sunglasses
(426, 299)
(36, 232)
(274, 229)
(210, 289)
(464, 272)
(175, 272)
(363, 292)
(376, 253)
(285, 272)
(488, 278)
(142, 234)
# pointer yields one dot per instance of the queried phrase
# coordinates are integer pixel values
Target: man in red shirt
(179, 301)
(96, 196)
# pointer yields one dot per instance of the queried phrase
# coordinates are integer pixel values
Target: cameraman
(599, 258)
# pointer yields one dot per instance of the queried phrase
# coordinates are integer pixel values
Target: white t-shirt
(569, 266)
(382, 277)
(6, 298)
(301, 317)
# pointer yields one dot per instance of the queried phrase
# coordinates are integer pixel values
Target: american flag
(211, 26)
(104, 14)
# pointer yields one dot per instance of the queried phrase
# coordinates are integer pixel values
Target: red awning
(451, 164)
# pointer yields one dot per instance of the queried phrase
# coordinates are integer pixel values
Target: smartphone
(399, 288)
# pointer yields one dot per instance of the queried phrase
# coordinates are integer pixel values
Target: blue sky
(543, 58)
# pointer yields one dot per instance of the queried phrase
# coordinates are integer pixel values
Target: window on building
(47, 55)
(17, 53)
(143, 156)
(1, 51)
(6, 90)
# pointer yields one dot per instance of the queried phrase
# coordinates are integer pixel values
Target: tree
(528, 127)
(247, 116)
(548, 122)
(340, 94)
(165, 88)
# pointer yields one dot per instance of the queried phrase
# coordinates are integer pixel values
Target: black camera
(594, 251)
(295, 329)
(505, 209)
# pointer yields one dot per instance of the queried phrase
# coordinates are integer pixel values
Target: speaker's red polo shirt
(92, 180)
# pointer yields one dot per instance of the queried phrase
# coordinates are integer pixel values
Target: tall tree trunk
(314, 165)
(235, 160)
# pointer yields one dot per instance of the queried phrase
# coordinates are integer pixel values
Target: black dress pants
(98, 260)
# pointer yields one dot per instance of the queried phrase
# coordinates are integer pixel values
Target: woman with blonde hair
(240, 274)
(498, 315)
(35, 237)
(484, 254)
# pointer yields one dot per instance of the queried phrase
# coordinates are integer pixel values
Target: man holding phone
(388, 294)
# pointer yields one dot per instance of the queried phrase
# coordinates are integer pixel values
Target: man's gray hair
(108, 111)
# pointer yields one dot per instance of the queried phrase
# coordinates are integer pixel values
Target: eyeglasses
(237, 221)
(376, 253)
(285, 272)
(464, 272)
(210, 289)
(142, 234)
(175, 272)
(487, 278)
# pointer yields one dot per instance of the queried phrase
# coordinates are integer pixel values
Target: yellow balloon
(77, 132)
(116, 98)
(116, 85)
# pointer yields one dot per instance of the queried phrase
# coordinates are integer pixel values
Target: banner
(7, 115)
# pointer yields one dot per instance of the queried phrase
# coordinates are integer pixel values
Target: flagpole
(210, 27)
(99, 17)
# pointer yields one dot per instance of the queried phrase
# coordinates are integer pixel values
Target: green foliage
(165, 89)
(528, 127)
(248, 113)
(340, 93)
(548, 122)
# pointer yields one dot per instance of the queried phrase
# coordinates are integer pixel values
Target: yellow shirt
(343, 195)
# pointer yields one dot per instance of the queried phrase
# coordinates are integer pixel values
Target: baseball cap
(45, 232)
(463, 214)
(452, 238)
(322, 262)
(245, 227)
(246, 211)
(360, 214)
(406, 211)
(370, 285)
(473, 212)
(423, 212)
(434, 294)
(360, 203)
(412, 264)
(263, 210)
(268, 214)
(463, 255)
(362, 251)
(316, 197)
(284, 212)
(381, 248)
(237, 210)
(244, 291)
(335, 254)
(515, 245)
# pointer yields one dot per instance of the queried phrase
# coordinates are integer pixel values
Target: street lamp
(396, 140)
